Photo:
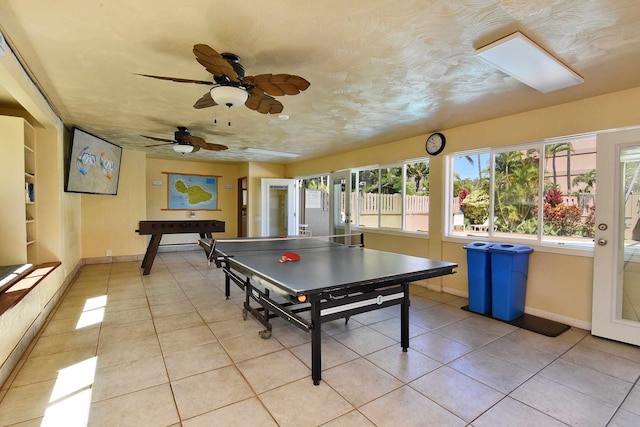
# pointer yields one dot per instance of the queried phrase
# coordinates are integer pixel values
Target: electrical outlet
(108, 252)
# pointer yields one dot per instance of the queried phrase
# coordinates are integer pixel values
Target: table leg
(404, 318)
(316, 351)
(150, 255)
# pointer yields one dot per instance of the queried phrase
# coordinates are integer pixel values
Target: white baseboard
(576, 323)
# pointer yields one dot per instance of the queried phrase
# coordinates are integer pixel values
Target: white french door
(278, 207)
(616, 261)
(340, 204)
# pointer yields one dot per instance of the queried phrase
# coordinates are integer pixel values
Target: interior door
(340, 202)
(616, 272)
(278, 207)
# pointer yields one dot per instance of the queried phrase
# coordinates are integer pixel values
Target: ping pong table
(331, 281)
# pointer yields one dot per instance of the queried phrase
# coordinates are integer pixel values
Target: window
(471, 186)
(543, 192)
(569, 191)
(393, 196)
(516, 192)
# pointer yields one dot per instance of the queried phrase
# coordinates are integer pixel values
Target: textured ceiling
(380, 71)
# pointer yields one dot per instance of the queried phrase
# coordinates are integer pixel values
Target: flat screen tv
(94, 164)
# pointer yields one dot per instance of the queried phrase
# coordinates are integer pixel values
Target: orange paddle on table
(289, 256)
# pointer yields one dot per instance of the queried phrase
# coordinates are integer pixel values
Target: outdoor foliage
(476, 206)
(516, 188)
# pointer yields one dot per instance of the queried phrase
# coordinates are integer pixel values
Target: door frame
(243, 207)
(608, 254)
(292, 217)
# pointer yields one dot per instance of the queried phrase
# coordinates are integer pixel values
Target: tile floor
(168, 350)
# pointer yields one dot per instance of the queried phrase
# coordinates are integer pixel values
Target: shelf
(18, 173)
(24, 283)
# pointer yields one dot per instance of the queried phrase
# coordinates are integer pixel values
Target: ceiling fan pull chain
(229, 115)
(215, 116)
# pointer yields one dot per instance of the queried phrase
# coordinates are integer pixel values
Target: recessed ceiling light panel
(270, 152)
(522, 59)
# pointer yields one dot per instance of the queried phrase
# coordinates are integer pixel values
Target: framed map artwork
(192, 192)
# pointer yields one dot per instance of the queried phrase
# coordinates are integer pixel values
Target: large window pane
(416, 203)
(470, 197)
(516, 192)
(569, 191)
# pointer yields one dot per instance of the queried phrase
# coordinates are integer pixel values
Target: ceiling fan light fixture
(230, 96)
(183, 148)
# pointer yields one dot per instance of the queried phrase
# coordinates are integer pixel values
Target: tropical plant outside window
(393, 196)
(506, 183)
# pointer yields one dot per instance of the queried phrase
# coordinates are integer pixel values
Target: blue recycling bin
(479, 276)
(509, 271)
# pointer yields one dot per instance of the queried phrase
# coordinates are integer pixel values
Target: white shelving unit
(18, 221)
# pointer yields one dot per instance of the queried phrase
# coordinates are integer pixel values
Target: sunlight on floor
(71, 396)
(70, 399)
(93, 312)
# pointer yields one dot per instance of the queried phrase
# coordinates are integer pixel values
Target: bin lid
(479, 246)
(510, 248)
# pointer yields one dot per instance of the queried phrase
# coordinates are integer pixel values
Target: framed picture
(94, 165)
(192, 192)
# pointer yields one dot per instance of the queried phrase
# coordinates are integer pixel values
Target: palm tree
(588, 178)
(552, 150)
(419, 173)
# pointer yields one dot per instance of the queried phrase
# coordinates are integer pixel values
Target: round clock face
(435, 143)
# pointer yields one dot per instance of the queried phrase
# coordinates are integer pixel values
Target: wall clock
(435, 143)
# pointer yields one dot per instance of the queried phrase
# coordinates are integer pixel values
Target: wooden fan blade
(263, 103)
(197, 141)
(205, 101)
(194, 140)
(214, 62)
(215, 147)
(159, 139)
(159, 145)
(278, 84)
(177, 79)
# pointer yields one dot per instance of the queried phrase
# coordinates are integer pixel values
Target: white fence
(371, 203)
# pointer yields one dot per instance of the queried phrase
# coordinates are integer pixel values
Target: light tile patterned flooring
(167, 349)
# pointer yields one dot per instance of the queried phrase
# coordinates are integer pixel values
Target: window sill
(554, 248)
(392, 232)
(23, 284)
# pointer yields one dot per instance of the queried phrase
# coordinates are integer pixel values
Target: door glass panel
(416, 204)
(314, 206)
(369, 197)
(339, 213)
(340, 204)
(390, 197)
(278, 210)
(629, 220)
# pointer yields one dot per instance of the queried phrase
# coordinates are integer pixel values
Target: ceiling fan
(231, 87)
(184, 142)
